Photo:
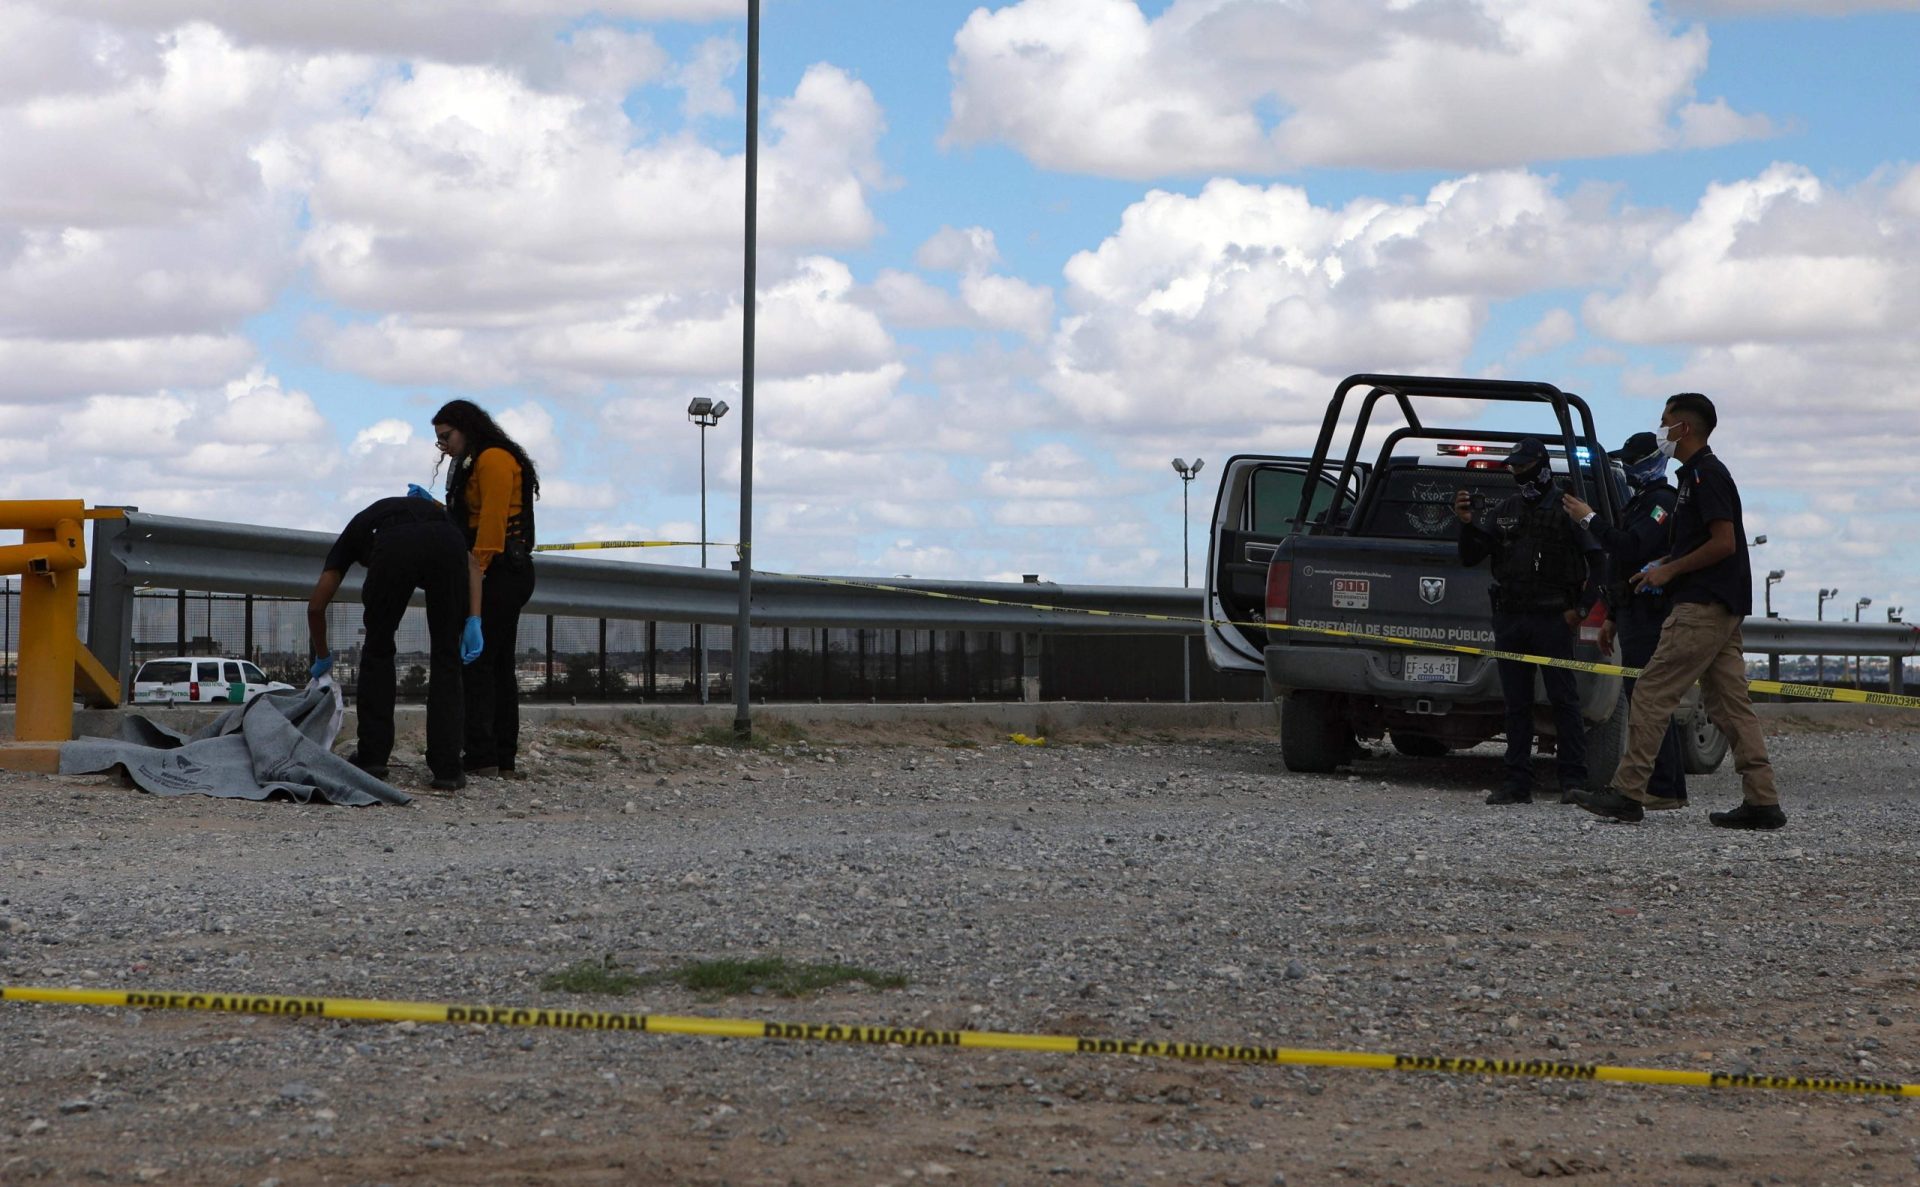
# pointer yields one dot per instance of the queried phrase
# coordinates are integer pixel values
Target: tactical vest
(519, 529)
(1541, 567)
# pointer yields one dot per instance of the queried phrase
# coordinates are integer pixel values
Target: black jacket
(1497, 531)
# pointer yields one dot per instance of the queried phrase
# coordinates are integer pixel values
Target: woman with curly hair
(491, 486)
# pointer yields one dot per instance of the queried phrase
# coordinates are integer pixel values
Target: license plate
(1433, 667)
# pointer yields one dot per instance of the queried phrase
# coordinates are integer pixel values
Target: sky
(1014, 257)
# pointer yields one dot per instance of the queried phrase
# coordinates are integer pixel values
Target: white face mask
(1666, 447)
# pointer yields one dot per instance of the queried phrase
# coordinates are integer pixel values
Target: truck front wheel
(1702, 745)
(1314, 734)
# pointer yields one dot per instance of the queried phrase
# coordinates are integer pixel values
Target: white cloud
(451, 30)
(958, 249)
(1097, 86)
(260, 412)
(502, 235)
(1775, 257)
(39, 369)
(1734, 8)
(1245, 303)
(1555, 329)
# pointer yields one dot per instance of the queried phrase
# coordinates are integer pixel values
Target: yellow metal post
(52, 660)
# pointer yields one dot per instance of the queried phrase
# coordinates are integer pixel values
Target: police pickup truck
(1338, 542)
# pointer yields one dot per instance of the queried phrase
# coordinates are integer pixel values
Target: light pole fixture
(1757, 541)
(1186, 473)
(1894, 613)
(1820, 615)
(1773, 579)
(1857, 606)
(706, 413)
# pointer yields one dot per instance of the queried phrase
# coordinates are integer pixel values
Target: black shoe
(454, 782)
(377, 770)
(1511, 795)
(1569, 795)
(1750, 816)
(477, 769)
(1611, 804)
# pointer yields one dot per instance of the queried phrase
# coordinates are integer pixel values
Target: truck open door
(1256, 508)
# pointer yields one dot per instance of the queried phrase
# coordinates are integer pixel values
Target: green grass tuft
(771, 974)
(593, 976)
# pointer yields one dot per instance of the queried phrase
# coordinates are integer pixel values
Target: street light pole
(1863, 602)
(1820, 615)
(1773, 661)
(743, 617)
(1186, 473)
(706, 413)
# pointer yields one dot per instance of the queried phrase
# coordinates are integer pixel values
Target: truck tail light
(193, 690)
(1279, 590)
(1590, 629)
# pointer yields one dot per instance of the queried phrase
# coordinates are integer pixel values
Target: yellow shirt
(493, 500)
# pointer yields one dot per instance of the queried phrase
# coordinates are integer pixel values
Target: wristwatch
(1588, 519)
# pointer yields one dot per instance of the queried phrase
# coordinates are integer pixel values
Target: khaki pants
(1700, 641)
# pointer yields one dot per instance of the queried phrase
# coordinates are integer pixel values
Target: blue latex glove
(416, 491)
(1646, 587)
(471, 644)
(320, 667)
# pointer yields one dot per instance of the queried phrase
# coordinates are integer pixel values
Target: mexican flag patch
(1659, 515)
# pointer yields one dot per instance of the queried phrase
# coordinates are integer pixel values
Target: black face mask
(1534, 483)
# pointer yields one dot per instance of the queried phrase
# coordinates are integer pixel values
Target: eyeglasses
(441, 435)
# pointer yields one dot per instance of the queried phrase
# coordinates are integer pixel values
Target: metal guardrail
(160, 551)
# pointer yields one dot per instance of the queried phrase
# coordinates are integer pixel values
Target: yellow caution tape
(591, 545)
(367, 1010)
(1812, 692)
(1023, 740)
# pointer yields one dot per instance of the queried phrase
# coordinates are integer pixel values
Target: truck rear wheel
(1314, 734)
(1606, 742)
(1702, 746)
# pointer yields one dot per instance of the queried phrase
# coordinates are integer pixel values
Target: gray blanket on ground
(275, 745)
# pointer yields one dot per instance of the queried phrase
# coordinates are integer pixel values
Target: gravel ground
(1117, 886)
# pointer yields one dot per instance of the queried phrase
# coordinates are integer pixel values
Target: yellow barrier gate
(53, 664)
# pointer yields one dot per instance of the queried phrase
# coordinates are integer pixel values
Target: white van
(201, 679)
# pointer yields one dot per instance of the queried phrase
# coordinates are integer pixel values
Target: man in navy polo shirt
(1706, 577)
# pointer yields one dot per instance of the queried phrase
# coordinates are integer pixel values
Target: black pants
(1637, 641)
(430, 557)
(1544, 633)
(493, 693)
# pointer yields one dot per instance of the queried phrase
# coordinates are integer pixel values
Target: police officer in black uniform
(1642, 538)
(1545, 580)
(406, 543)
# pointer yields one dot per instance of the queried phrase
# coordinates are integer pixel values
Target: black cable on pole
(743, 623)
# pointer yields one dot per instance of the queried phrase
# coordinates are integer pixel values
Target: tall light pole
(1896, 665)
(1773, 661)
(743, 616)
(1857, 606)
(1186, 473)
(1820, 615)
(1757, 541)
(705, 413)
